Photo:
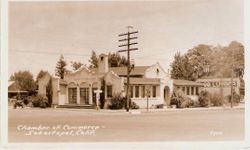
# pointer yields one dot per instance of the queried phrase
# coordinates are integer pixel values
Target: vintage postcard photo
(126, 71)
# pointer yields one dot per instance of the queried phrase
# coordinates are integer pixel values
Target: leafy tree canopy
(24, 80)
(41, 74)
(219, 60)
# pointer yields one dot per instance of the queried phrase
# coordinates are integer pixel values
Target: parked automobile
(18, 103)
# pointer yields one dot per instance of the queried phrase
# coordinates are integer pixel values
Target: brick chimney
(103, 66)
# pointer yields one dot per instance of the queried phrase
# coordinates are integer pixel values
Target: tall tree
(49, 92)
(93, 60)
(40, 74)
(177, 65)
(61, 67)
(24, 80)
(75, 65)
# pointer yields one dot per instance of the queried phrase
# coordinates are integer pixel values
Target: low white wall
(142, 102)
(193, 97)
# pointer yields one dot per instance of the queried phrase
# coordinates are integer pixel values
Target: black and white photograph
(126, 71)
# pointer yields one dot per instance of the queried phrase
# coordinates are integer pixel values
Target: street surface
(71, 125)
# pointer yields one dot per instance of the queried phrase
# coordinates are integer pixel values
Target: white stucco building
(77, 88)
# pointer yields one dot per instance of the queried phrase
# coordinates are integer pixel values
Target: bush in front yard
(177, 98)
(216, 99)
(204, 97)
(40, 101)
(181, 100)
(236, 98)
(133, 105)
(187, 103)
(119, 102)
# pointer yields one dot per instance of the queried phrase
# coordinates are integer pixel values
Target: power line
(46, 52)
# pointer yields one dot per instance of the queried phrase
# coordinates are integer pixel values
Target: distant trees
(24, 81)
(114, 60)
(76, 65)
(93, 60)
(61, 67)
(190, 66)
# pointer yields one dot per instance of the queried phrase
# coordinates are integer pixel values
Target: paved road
(90, 126)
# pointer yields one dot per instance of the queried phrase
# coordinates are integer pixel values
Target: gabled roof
(83, 67)
(13, 88)
(186, 83)
(122, 71)
(10, 83)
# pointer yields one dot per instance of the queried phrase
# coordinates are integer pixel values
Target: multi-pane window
(192, 90)
(131, 93)
(84, 95)
(183, 89)
(197, 90)
(143, 91)
(109, 91)
(154, 91)
(72, 95)
(187, 90)
(136, 91)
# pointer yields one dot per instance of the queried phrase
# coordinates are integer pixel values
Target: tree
(61, 67)
(190, 66)
(93, 60)
(116, 60)
(24, 81)
(49, 92)
(40, 75)
(76, 65)
(177, 67)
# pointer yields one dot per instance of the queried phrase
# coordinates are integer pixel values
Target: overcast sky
(40, 31)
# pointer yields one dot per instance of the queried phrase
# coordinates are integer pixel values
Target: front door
(84, 95)
(72, 95)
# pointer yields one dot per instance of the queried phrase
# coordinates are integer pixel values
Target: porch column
(90, 94)
(78, 95)
(161, 92)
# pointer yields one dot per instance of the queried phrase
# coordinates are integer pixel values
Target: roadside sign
(97, 91)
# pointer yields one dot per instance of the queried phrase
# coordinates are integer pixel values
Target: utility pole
(128, 43)
(232, 75)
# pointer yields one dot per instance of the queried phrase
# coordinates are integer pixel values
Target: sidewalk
(139, 111)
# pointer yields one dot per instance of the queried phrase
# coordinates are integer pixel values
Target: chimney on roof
(103, 66)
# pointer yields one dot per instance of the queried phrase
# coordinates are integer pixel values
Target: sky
(39, 32)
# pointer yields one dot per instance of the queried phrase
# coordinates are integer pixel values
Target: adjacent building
(221, 85)
(14, 90)
(190, 88)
